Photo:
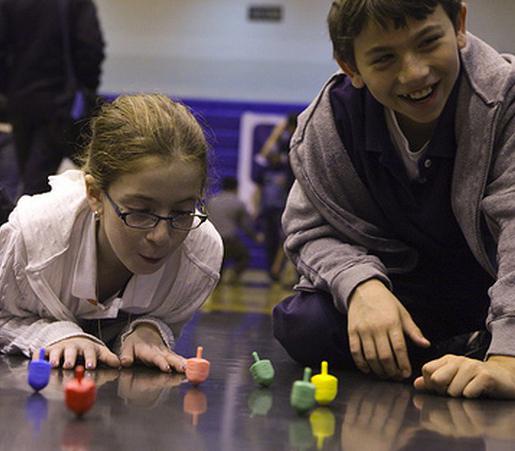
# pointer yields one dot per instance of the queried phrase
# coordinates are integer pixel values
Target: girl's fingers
(70, 356)
(127, 355)
(90, 357)
(160, 361)
(108, 357)
(177, 362)
(54, 356)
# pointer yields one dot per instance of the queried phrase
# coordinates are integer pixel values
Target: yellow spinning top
(326, 386)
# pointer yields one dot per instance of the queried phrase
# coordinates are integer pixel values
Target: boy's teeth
(420, 94)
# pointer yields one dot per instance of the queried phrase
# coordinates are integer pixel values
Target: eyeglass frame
(203, 216)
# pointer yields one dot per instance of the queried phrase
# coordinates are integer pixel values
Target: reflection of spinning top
(260, 402)
(80, 393)
(194, 403)
(262, 371)
(326, 386)
(39, 372)
(197, 368)
(36, 409)
(299, 434)
(323, 425)
(77, 436)
(302, 397)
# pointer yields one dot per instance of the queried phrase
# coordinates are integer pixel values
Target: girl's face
(411, 70)
(158, 186)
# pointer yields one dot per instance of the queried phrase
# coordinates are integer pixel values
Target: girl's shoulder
(46, 220)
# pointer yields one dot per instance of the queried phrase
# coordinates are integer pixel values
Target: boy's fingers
(413, 331)
(401, 353)
(357, 354)
(419, 383)
(369, 350)
(386, 356)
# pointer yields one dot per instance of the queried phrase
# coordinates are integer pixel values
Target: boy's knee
(311, 329)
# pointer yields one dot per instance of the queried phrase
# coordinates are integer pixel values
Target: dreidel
(80, 393)
(197, 368)
(302, 397)
(323, 424)
(39, 372)
(195, 404)
(326, 386)
(262, 370)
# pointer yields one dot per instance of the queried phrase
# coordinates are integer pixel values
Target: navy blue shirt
(418, 211)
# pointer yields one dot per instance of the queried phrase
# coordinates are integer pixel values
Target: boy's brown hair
(347, 18)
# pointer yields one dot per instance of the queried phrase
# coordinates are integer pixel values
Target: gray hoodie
(336, 234)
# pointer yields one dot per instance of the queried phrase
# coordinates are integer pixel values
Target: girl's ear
(461, 29)
(93, 195)
(355, 78)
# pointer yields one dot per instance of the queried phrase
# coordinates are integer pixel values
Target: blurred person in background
(229, 215)
(49, 51)
(274, 179)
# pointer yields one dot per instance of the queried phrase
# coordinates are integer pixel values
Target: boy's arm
(326, 258)
(498, 207)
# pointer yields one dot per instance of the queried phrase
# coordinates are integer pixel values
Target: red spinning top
(197, 368)
(80, 393)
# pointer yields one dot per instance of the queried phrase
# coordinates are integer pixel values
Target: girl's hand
(146, 345)
(69, 349)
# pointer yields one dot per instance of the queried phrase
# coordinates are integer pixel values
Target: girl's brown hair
(133, 127)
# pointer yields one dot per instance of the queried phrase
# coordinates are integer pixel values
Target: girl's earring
(96, 214)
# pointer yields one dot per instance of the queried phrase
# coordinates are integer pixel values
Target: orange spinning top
(197, 368)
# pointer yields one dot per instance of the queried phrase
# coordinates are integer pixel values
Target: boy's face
(410, 70)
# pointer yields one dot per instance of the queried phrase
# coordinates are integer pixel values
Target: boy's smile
(410, 70)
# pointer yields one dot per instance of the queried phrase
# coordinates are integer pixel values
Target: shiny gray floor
(141, 409)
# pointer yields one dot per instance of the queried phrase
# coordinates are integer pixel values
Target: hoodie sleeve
(499, 209)
(322, 255)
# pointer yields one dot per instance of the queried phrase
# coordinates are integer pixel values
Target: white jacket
(38, 256)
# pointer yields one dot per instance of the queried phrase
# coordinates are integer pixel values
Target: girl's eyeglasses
(184, 220)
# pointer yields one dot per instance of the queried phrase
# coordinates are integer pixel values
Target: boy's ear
(355, 78)
(461, 29)
(93, 194)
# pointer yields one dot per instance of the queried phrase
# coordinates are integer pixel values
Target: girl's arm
(25, 322)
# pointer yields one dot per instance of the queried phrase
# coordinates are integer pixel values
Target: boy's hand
(459, 376)
(70, 348)
(377, 322)
(146, 345)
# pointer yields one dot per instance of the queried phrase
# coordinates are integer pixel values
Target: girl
(118, 254)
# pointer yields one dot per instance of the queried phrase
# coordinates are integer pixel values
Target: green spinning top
(302, 396)
(262, 371)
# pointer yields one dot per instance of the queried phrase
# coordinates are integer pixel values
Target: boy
(401, 220)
